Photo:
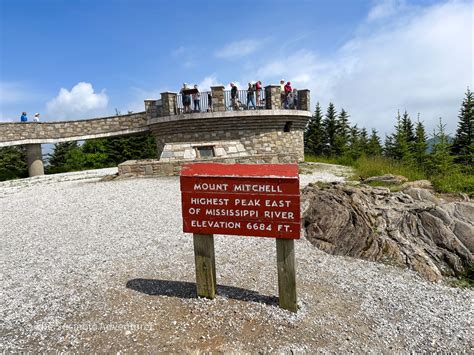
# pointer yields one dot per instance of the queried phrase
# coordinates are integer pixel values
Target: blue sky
(78, 59)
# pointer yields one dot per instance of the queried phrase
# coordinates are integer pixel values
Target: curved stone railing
(19, 133)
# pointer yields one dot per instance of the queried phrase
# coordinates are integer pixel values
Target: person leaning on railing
(233, 96)
(209, 102)
(186, 98)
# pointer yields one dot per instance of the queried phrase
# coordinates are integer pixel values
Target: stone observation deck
(267, 134)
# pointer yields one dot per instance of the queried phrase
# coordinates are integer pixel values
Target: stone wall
(61, 131)
(259, 132)
(161, 168)
(254, 143)
(190, 151)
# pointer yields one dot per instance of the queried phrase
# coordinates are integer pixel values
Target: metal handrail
(242, 102)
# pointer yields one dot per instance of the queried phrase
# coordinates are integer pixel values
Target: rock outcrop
(387, 179)
(410, 228)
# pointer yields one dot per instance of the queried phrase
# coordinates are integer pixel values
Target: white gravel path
(104, 266)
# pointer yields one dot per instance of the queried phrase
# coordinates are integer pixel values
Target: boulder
(418, 184)
(412, 228)
(387, 179)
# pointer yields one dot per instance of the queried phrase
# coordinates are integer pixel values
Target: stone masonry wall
(190, 151)
(51, 132)
(254, 143)
(160, 168)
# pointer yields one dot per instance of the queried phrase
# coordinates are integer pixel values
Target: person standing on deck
(197, 100)
(250, 96)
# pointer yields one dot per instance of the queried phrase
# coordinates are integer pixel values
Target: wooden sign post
(247, 200)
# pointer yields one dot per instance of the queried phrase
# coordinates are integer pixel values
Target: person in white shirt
(37, 117)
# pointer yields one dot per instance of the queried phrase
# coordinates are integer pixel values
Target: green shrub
(455, 182)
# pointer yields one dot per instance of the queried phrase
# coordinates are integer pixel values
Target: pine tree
(57, 159)
(401, 150)
(374, 147)
(408, 130)
(420, 145)
(363, 141)
(330, 130)
(120, 149)
(389, 149)
(341, 140)
(441, 161)
(13, 163)
(463, 145)
(354, 151)
(313, 135)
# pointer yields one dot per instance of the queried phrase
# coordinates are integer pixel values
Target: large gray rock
(387, 179)
(411, 229)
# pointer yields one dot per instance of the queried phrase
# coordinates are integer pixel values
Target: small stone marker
(242, 199)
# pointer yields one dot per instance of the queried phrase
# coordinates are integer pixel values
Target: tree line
(329, 135)
(72, 156)
(332, 135)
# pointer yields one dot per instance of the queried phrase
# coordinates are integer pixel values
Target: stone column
(169, 103)
(35, 160)
(272, 97)
(218, 100)
(303, 100)
(151, 108)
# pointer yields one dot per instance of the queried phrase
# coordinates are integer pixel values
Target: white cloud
(207, 82)
(238, 49)
(80, 102)
(420, 61)
(385, 8)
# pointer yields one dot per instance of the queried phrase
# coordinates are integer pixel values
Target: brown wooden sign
(241, 199)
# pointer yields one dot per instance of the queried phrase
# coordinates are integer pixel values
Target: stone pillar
(218, 100)
(303, 100)
(169, 103)
(35, 160)
(272, 97)
(151, 108)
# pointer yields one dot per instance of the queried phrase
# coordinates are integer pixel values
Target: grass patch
(376, 166)
(466, 280)
(365, 167)
(454, 182)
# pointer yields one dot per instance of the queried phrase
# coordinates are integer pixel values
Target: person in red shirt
(258, 91)
(288, 91)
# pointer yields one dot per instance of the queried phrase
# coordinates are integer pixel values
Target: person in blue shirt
(23, 117)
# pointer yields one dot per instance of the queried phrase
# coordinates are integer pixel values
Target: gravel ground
(103, 266)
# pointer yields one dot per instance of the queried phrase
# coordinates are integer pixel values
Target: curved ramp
(19, 133)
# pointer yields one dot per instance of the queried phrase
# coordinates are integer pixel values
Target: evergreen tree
(374, 146)
(57, 160)
(13, 163)
(313, 135)
(341, 140)
(330, 130)
(408, 129)
(400, 149)
(363, 140)
(389, 149)
(420, 145)
(441, 161)
(120, 149)
(354, 151)
(463, 145)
